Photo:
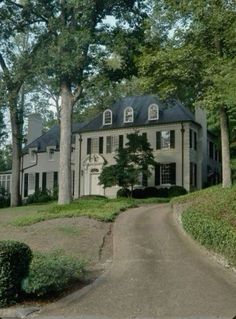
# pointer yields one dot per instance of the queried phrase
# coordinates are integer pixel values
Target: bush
(50, 273)
(138, 193)
(175, 191)
(15, 258)
(163, 192)
(93, 197)
(213, 233)
(40, 196)
(123, 192)
(150, 192)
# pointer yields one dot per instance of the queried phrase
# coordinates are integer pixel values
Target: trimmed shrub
(138, 193)
(123, 192)
(15, 259)
(40, 196)
(51, 273)
(93, 197)
(215, 234)
(163, 192)
(175, 191)
(150, 192)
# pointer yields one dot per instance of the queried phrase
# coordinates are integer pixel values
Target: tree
(194, 62)
(75, 34)
(131, 162)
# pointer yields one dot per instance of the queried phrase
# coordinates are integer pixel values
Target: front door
(94, 184)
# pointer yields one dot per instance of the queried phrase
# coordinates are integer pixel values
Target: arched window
(128, 115)
(107, 117)
(153, 112)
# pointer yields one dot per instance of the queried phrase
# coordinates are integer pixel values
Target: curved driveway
(157, 272)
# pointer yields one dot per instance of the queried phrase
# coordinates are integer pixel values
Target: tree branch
(77, 94)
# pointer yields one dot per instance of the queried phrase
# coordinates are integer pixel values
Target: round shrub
(50, 273)
(15, 258)
(163, 192)
(123, 192)
(175, 191)
(150, 192)
(138, 193)
(40, 196)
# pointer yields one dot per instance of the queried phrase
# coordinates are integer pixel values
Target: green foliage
(4, 198)
(215, 234)
(213, 225)
(50, 273)
(175, 191)
(131, 162)
(123, 192)
(40, 196)
(15, 258)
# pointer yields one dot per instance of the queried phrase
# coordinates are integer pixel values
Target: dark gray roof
(50, 138)
(170, 112)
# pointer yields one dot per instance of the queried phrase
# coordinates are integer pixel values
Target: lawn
(101, 209)
(211, 219)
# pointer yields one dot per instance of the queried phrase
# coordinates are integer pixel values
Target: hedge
(214, 233)
(15, 258)
(51, 273)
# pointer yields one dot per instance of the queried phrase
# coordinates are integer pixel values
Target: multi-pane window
(112, 144)
(165, 174)
(107, 117)
(5, 181)
(165, 139)
(128, 115)
(95, 145)
(153, 112)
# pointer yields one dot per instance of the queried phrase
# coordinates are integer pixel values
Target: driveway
(157, 272)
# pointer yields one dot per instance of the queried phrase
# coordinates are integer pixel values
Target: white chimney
(34, 127)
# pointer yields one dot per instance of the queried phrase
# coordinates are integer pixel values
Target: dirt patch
(80, 237)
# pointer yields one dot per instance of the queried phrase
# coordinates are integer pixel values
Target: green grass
(102, 209)
(69, 230)
(211, 219)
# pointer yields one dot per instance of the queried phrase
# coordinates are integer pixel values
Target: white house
(185, 152)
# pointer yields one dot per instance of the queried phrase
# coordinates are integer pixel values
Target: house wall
(95, 163)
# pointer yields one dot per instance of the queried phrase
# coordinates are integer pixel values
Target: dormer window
(51, 152)
(107, 117)
(129, 115)
(33, 155)
(153, 112)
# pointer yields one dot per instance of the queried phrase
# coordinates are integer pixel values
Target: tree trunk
(64, 196)
(226, 170)
(16, 157)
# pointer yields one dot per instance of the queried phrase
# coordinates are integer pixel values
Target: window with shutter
(108, 147)
(55, 179)
(36, 182)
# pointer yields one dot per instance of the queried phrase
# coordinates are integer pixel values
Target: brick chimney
(34, 127)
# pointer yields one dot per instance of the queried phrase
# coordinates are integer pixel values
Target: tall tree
(196, 61)
(75, 33)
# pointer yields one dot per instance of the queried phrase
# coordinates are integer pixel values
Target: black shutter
(158, 140)
(172, 139)
(121, 141)
(89, 146)
(173, 173)
(157, 174)
(44, 181)
(195, 175)
(100, 145)
(26, 179)
(195, 140)
(190, 138)
(55, 179)
(36, 182)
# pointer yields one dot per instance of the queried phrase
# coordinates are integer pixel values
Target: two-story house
(181, 143)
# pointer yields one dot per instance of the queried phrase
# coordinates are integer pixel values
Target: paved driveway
(157, 272)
